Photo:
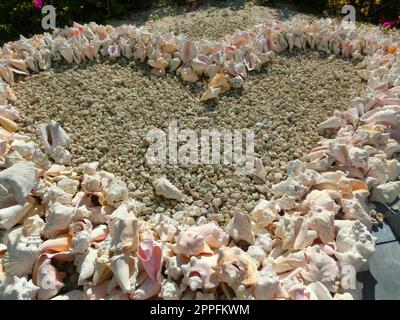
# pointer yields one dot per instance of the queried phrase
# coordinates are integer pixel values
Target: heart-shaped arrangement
(307, 242)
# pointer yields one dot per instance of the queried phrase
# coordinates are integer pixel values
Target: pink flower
(389, 23)
(38, 4)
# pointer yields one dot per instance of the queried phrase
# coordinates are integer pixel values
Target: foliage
(21, 16)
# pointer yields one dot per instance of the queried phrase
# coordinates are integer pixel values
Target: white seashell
(85, 263)
(356, 238)
(259, 170)
(211, 93)
(264, 241)
(387, 192)
(53, 136)
(11, 216)
(319, 291)
(125, 270)
(257, 253)
(17, 181)
(58, 219)
(23, 247)
(170, 290)
(117, 192)
(15, 288)
(290, 187)
(173, 266)
(264, 213)
(266, 284)
(166, 189)
(125, 234)
(146, 290)
(200, 273)
(239, 228)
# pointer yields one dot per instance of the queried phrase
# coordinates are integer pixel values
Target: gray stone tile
(382, 282)
(394, 223)
(383, 233)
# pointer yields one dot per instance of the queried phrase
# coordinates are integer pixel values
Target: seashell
(264, 241)
(257, 253)
(333, 122)
(3, 94)
(47, 277)
(165, 188)
(323, 223)
(66, 52)
(11, 216)
(386, 193)
(377, 170)
(294, 233)
(53, 136)
(189, 51)
(200, 273)
(349, 261)
(125, 269)
(239, 228)
(290, 187)
(174, 64)
(264, 213)
(319, 266)
(85, 263)
(61, 155)
(71, 295)
(170, 290)
(267, 284)
(125, 234)
(18, 288)
(8, 124)
(357, 208)
(200, 239)
(234, 266)
(59, 244)
(392, 169)
(9, 112)
(146, 290)
(165, 227)
(259, 170)
(355, 238)
(318, 291)
(17, 181)
(221, 81)
(173, 266)
(23, 247)
(68, 185)
(117, 192)
(58, 219)
(150, 254)
(211, 93)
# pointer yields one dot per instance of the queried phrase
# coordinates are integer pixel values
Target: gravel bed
(108, 109)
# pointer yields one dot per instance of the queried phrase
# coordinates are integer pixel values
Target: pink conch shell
(200, 239)
(150, 254)
(319, 266)
(236, 267)
(9, 112)
(47, 277)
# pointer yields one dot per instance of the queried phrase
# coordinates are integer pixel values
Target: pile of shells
(79, 235)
